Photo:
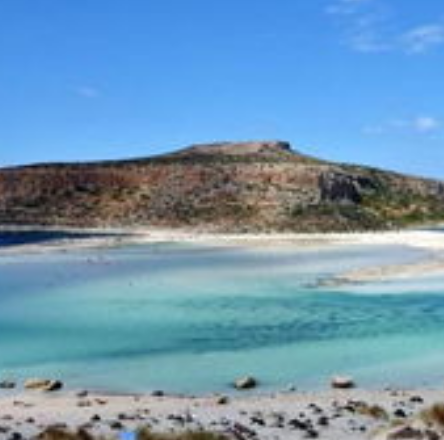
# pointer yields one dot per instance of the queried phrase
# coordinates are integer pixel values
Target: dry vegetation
(252, 187)
(144, 434)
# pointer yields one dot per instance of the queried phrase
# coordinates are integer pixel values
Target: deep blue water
(14, 238)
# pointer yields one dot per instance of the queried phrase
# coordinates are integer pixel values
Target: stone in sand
(245, 383)
(405, 432)
(222, 400)
(342, 382)
(43, 385)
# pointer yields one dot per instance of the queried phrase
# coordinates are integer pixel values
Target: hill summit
(264, 148)
(232, 187)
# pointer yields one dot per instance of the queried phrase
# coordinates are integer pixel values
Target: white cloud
(425, 124)
(366, 40)
(422, 38)
(369, 26)
(421, 125)
(362, 23)
(374, 129)
(87, 92)
(346, 7)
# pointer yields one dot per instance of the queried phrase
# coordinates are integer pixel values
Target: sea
(190, 319)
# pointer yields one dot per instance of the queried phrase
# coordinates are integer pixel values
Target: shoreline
(110, 237)
(431, 241)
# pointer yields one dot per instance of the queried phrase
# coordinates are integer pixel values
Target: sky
(358, 81)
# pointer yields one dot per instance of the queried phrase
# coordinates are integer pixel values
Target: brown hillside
(253, 186)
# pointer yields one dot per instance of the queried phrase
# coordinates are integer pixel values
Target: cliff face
(257, 186)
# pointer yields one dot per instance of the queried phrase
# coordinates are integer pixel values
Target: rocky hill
(254, 186)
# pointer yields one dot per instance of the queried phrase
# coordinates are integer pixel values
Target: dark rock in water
(7, 384)
(54, 385)
(158, 393)
(246, 383)
(342, 382)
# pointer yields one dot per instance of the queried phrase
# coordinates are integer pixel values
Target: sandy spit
(428, 240)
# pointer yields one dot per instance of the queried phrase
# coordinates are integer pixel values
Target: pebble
(115, 424)
(400, 413)
(222, 400)
(323, 421)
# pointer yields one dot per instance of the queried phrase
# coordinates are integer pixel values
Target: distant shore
(98, 237)
(80, 239)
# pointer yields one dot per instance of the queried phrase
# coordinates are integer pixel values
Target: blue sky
(349, 80)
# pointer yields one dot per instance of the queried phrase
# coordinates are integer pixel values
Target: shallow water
(190, 319)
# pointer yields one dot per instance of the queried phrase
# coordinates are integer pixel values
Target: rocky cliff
(254, 186)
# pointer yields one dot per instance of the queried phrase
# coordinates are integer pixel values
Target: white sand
(268, 416)
(432, 241)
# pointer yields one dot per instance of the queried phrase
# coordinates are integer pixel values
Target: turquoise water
(190, 319)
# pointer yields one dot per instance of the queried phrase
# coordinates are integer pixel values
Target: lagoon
(191, 318)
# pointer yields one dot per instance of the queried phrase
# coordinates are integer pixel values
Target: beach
(431, 240)
(268, 412)
(329, 415)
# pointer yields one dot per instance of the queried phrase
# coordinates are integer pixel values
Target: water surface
(190, 319)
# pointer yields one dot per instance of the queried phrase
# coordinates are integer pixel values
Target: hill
(239, 187)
